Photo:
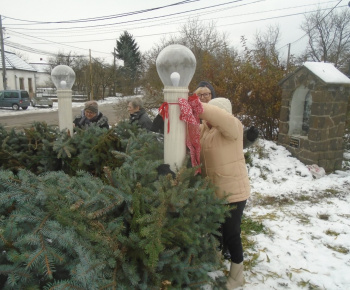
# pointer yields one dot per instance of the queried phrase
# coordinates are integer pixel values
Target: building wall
(13, 81)
(323, 144)
(43, 80)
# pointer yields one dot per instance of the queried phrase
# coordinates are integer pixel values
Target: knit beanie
(91, 106)
(222, 103)
(209, 86)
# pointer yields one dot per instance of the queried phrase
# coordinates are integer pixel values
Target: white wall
(42, 79)
(13, 77)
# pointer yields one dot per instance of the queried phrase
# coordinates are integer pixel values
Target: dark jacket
(82, 122)
(142, 119)
(158, 125)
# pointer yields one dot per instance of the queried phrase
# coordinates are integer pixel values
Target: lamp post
(63, 77)
(176, 65)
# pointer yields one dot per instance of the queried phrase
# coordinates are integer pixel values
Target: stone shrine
(315, 102)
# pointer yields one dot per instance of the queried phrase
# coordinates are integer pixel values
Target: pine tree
(128, 51)
(131, 228)
(42, 148)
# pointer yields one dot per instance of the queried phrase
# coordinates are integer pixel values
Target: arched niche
(300, 110)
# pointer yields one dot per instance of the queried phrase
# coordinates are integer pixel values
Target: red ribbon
(164, 112)
(190, 110)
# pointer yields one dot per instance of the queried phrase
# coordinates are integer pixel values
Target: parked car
(40, 100)
(14, 99)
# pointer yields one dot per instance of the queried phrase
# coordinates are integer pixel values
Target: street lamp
(63, 77)
(176, 65)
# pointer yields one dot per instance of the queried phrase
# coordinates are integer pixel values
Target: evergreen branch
(111, 285)
(61, 259)
(34, 259)
(5, 242)
(115, 271)
(63, 285)
(48, 267)
(40, 227)
(77, 205)
(138, 231)
(105, 210)
(17, 190)
(22, 274)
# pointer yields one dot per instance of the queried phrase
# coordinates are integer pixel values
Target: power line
(10, 30)
(169, 15)
(102, 18)
(236, 23)
(320, 21)
(131, 21)
(129, 27)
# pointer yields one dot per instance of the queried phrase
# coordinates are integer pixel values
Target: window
(30, 85)
(24, 95)
(306, 114)
(21, 83)
(300, 110)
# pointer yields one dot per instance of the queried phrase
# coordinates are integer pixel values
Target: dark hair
(209, 86)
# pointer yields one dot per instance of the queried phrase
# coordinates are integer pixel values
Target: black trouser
(231, 231)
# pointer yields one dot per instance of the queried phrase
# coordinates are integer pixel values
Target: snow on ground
(308, 243)
(307, 240)
(9, 111)
(307, 222)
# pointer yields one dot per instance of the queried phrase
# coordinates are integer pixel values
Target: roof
(41, 67)
(327, 72)
(13, 62)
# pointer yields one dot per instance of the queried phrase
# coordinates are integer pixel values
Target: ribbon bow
(164, 112)
(190, 111)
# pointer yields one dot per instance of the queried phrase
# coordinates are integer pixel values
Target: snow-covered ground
(10, 111)
(307, 221)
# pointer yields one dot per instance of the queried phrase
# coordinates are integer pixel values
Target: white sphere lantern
(176, 65)
(176, 58)
(63, 77)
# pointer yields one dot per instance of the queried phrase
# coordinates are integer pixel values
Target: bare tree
(200, 37)
(206, 43)
(329, 36)
(63, 58)
(266, 42)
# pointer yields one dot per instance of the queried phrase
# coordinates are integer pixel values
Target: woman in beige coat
(223, 162)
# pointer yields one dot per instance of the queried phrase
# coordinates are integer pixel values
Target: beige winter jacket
(222, 154)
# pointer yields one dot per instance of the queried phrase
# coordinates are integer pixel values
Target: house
(20, 75)
(43, 74)
(314, 108)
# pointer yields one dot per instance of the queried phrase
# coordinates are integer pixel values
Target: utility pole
(288, 57)
(4, 79)
(114, 68)
(92, 90)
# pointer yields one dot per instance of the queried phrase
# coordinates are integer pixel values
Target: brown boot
(235, 278)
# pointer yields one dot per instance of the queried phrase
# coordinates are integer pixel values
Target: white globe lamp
(176, 65)
(63, 77)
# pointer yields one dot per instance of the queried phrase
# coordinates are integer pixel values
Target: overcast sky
(102, 22)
